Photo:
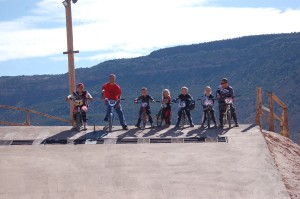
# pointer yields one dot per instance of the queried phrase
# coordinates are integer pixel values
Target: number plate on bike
(144, 104)
(181, 104)
(208, 103)
(228, 100)
(78, 102)
(112, 102)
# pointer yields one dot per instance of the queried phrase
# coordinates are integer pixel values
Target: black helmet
(224, 80)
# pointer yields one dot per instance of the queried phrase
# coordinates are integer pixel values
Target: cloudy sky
(33, 33)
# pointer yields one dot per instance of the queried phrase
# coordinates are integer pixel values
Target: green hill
(269, 61)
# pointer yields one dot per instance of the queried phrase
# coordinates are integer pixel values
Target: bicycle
(78, 102)
(160, 115)
(183, 116)
(227, 117)
(208, 107)
(111, 104)
(144, 116)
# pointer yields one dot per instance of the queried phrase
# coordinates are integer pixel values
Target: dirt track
(287, 158)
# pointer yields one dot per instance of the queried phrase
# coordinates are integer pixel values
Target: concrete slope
(241, 168)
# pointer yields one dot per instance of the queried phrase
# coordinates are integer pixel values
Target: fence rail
(28, 112)
(284, 127)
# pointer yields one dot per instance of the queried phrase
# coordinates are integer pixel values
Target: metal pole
(70, 52)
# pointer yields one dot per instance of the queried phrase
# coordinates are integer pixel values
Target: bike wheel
(208, 119)
(110, 121)
(225, 118)
(159, 118)
(78, 121)
(229, 118)
(144, 120)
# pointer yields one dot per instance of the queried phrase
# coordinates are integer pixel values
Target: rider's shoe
(221, 125)
(85, 126)
(125, 127)
(236, 124)
(215, 124)
(137, 126)
(202, 126)
(105, 119)
(192, 125)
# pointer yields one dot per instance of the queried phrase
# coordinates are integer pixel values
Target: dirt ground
(287, 158)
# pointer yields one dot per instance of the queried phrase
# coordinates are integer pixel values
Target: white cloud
(118, 28)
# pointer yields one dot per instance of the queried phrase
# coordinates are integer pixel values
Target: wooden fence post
(285, 123)
(259, 107)
(28, 118)
(271, 113)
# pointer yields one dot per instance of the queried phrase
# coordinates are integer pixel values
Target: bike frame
(208, 107)
(144, 115)
(228, 115)
(111, 104)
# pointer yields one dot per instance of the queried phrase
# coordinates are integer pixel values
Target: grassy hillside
(269, 61)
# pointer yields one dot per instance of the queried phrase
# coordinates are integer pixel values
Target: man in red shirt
(112, 91)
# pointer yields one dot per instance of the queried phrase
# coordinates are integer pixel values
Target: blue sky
(33, 34)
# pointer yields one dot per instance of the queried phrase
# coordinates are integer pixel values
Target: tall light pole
(70, 52)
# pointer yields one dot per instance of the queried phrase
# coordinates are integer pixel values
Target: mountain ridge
(269, 61)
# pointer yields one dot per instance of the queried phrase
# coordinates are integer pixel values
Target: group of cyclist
(112, 91)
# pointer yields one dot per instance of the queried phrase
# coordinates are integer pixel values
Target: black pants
(222, 109)
(212, 112)
(188, 114)
(148, 112)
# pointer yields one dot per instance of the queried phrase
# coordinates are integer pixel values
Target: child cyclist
(208, 102)
(166, 104)
(83, 95)
(144, 98)
(188, 99)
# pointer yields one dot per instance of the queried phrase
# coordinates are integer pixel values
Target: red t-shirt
(112, 92)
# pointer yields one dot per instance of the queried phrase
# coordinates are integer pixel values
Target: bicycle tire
(225, 118)
(229, 118)
(159, 117)
(78, 121)
(208, 118)
(144, 120)
(110, 121)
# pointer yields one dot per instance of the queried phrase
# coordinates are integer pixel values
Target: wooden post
(28, 118)
(70, 52)
(285, 123)
(271, 113)
(259, 107)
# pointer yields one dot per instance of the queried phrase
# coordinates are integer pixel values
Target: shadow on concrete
(129, 133)
(173, 132)
(61, 137)
(153, 131)
(248, 128)
(205, 132)
(94, 135)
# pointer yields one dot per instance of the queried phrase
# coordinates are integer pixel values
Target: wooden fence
(28, 120)
(284, 127)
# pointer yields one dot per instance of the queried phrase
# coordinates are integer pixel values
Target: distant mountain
(269, 61)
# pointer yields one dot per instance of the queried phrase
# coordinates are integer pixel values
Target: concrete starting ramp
(56, 162)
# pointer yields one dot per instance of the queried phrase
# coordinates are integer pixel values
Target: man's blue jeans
(119, 111)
